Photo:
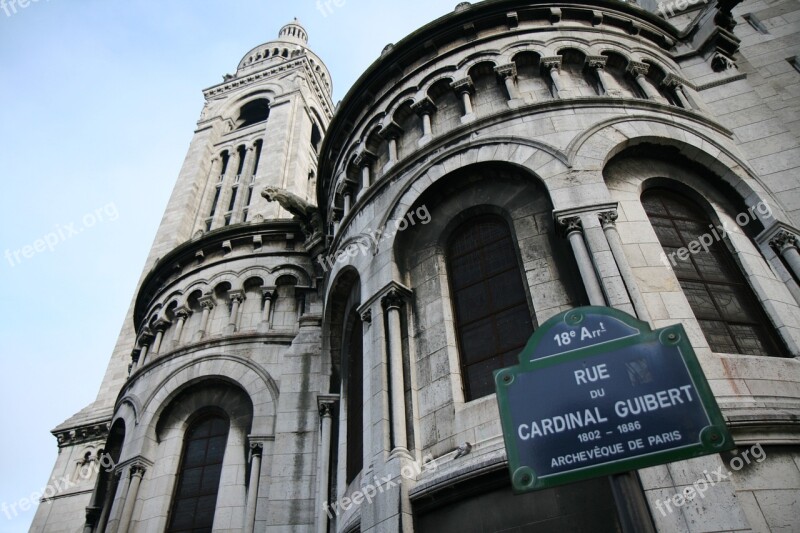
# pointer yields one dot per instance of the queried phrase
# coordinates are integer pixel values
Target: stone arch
(302, 276)
(530, 79)
(533, 156)
(489, 91)
(242, 372)
(611, 137)
(344, 288)
(448, 106)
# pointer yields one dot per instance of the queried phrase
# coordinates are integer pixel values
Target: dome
(294, 32)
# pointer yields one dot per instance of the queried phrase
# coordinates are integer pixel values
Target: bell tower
(226, 305)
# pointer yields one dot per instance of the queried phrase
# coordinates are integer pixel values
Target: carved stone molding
(464, 85)
(390, 131)
(425, 106)
(570, 225)
(637, 68)
(507, 70)
(207, 302)
(80, 435)
(608, 218)
(393, 299)
(552, 62)
(783, 240)
(598, 62)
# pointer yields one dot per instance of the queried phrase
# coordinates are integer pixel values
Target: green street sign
(597, 392)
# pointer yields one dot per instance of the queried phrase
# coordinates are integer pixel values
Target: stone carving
(303, 212)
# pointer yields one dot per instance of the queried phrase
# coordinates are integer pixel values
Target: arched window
(728, 311)
(354, 356)
(198, 480)
(493, 321)
(254, 112)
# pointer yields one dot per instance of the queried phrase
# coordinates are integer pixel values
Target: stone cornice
(457, 135)
(161, 274)
(251, 79)
(82, 434)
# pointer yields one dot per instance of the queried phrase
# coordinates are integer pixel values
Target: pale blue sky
(99, 100)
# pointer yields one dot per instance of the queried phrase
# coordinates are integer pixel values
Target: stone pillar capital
(464, 85)
(393, 299)
(207, 302)
(783, 240)
(161, 325)
(671, 80)
(551, 63)
(135, 354)
(236, 296)
(637, 68)
(570, 225)
(146, 336)
(507, 70)
(366, 316)
(183, 312)
(425, 106)
(391, 131)
(364, 158)
(256, 447)
(596, 62)
(608, 218)
(138, 470)
(268, 292)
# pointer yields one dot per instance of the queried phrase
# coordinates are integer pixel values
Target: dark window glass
(728, 311)
(493, 321)
(198, 479)
(355, 401)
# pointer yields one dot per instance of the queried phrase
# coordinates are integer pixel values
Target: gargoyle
(303, 212)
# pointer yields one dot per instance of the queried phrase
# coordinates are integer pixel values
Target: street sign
(597, 392)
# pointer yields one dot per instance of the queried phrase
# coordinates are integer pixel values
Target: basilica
(312, 342)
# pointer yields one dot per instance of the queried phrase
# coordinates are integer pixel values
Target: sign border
(714, 438)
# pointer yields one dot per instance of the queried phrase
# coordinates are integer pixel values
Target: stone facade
(329, 337)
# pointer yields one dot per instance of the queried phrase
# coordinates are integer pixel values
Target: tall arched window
(493, 321)
(728, 311)
(354, 354)
(198, 481)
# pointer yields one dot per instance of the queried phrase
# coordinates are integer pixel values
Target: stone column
(785, 243)
(391, 132)
(392, 303)
(464, 88)
(364, 161)
(137, 473)
(336, 215)
(135, 355)
(145, 341)
(269, 294)
(639, 71)
(347, 196)
(675, 83)
(508, 73)
(236, 298)
(256, 450)
(211, 187)
(553, 65)
(573, 230)
(326, 416)
(207, 303)
(182, 313)
(425, 109)
(608, 220)
(161, 326)
(244, 184)
(113, 484)
(607, 82)
(228, 181)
